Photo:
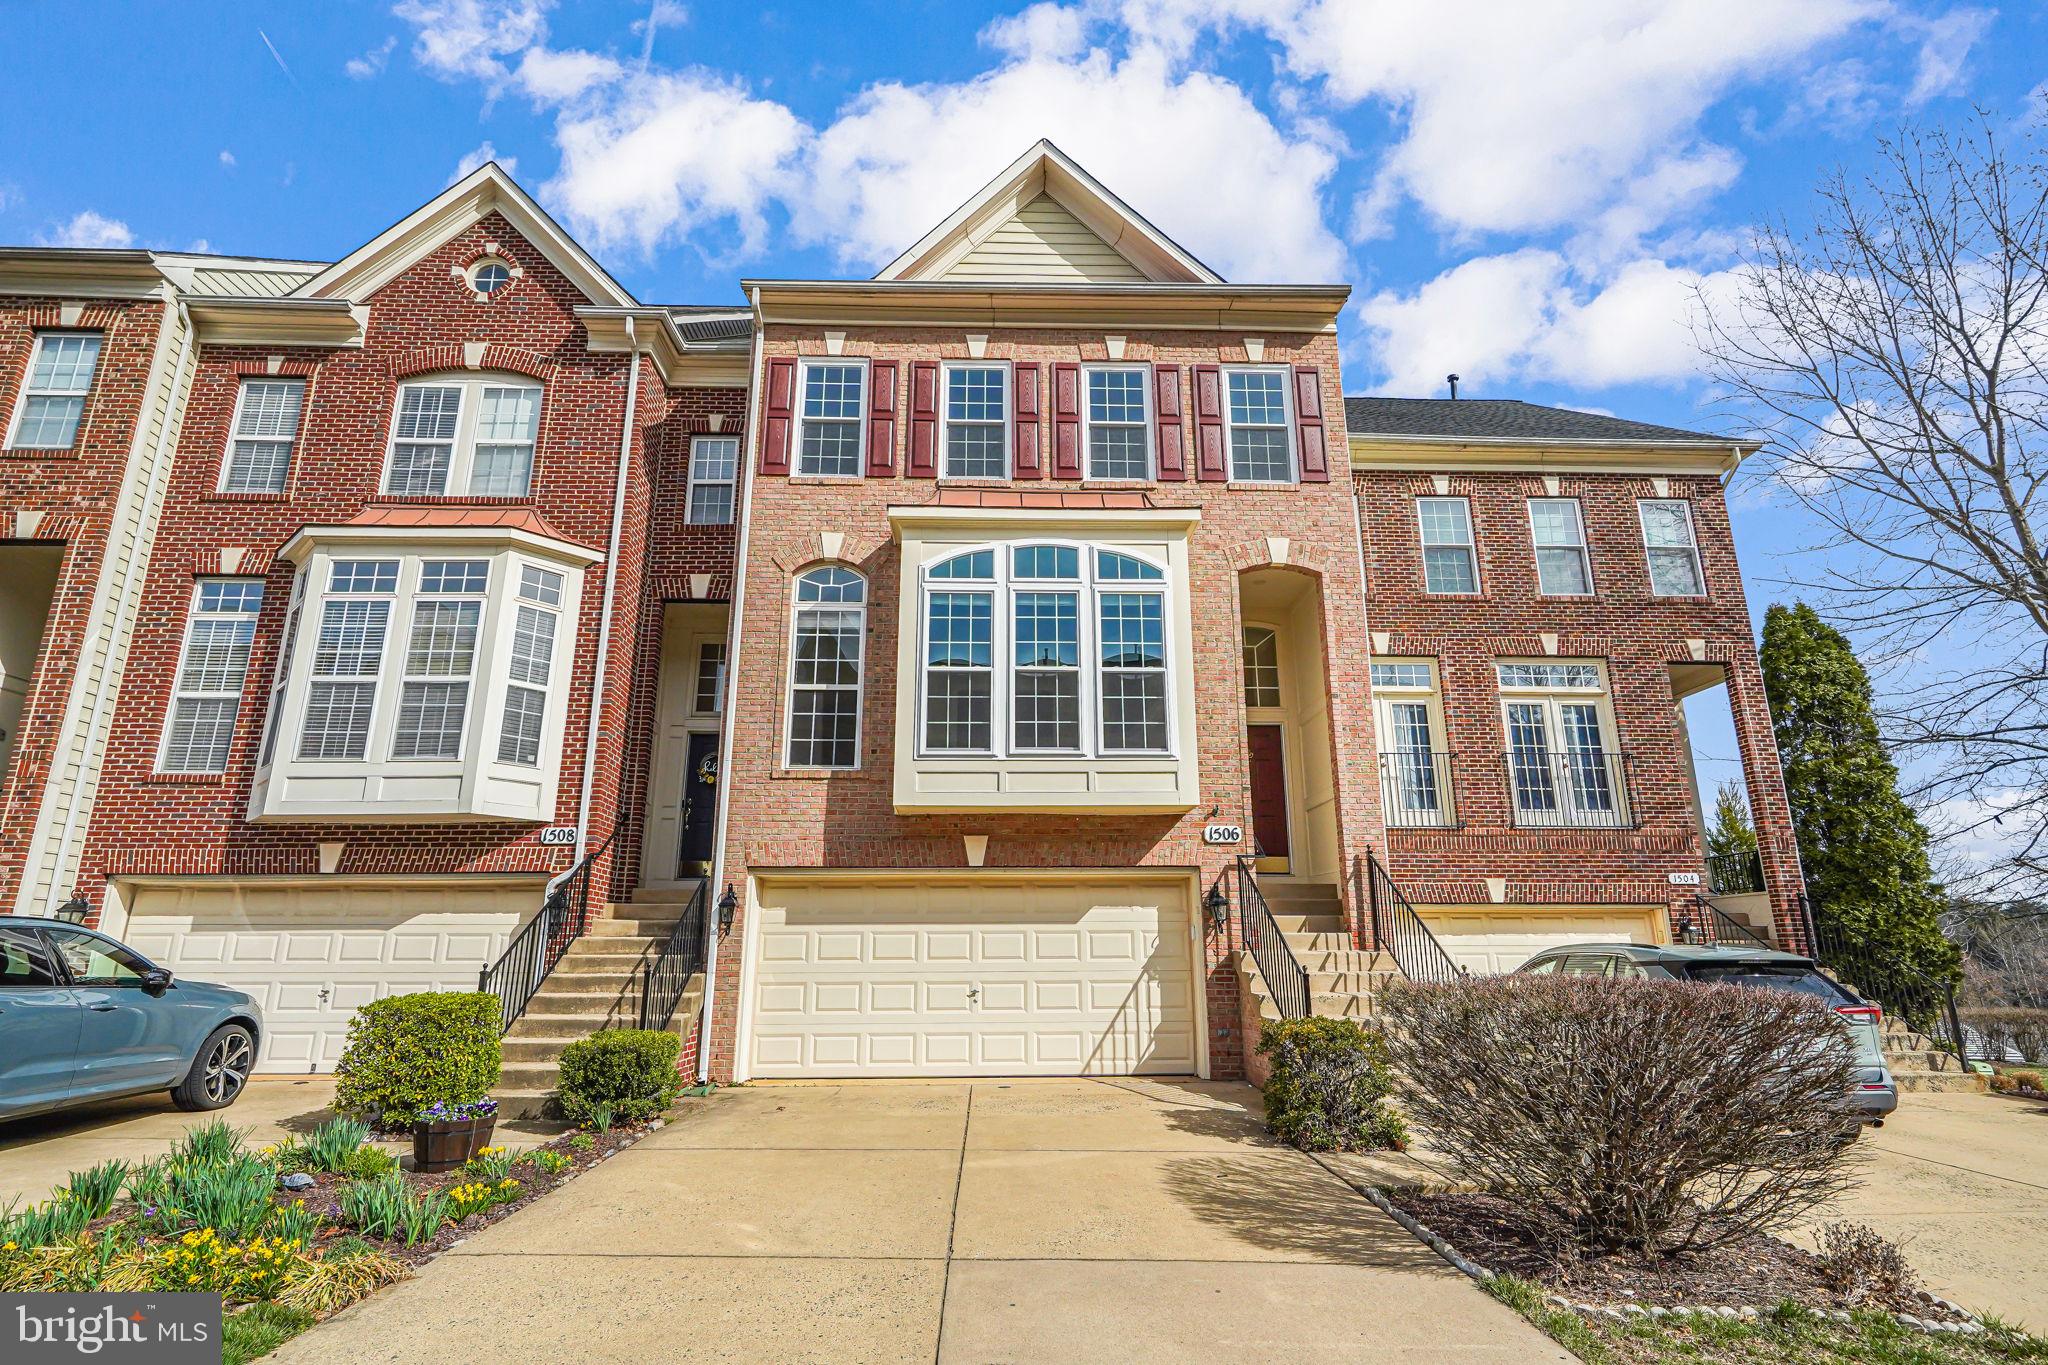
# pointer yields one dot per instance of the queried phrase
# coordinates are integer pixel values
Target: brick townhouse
(944, 673)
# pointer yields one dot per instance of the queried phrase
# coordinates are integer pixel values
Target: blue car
(83, 1018)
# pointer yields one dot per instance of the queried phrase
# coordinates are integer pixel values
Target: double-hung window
(440, 657)
(830, 635)
(348, 658)
(1118, 422)
(1450, 562)
(465, 435)
(535, 614)
(1562, 766)
(1672, 548)
(260, 445)
(207, 693)
(53, 399)
(976, 426)
(1255, 412)
(1559, 536)
(713, 462)
(832, 400)
(1415, 768)
(1043, 649)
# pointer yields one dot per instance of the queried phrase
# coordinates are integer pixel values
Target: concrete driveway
(995, 1221)
(1961, 1180)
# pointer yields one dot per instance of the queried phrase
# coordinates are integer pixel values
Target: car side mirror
(156, 981)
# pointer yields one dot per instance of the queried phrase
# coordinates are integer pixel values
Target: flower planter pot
(444, 1144)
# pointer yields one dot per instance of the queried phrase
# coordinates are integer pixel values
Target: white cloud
(1945, 43)
(91, 229)
(371, 64)
(471, 39)
(480, 154)
(1045, 30)
(551, 77)
(227, 158)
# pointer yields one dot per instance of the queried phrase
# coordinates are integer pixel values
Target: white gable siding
(1043, 242)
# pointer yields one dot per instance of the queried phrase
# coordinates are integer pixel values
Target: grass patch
(1789, 1333)
(260, 1329)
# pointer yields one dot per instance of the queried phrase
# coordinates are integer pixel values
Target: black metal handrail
(536, 948)
(1285, 977)
(665, 977)
(1923, 1003)
(1708, 924)
(1416, 790)
(1400, 931)
(1735, 874)
(1572, 789)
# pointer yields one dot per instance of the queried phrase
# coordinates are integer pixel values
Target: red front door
(1269, 790)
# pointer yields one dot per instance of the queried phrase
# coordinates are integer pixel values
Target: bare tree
(1893, 350)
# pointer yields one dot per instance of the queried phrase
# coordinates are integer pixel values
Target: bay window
(466, 434)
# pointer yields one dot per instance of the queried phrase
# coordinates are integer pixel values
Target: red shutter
(1026, 463)
(775, 430)
(1066, 421)
(1211, 463)
(924, 420)
(1308, 424)
(1173, 456)
(882, 419)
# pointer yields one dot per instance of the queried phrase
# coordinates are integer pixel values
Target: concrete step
(1304, 944)
(1291, 923)
(656, 930)
(524, 1104)
(1345, 1005)
(1340, 983)
(574, 963)
(1925, 1059)
(542, 1076)
(536, 1047)
(601, 942)
(677, 896)
(1300, 895)
(1346, 961)
(549, 1024)
(599, 1004)
(1939, 1082)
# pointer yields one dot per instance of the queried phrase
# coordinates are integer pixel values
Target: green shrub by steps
(407, 1051)
(1329, 1086)
(631, 1073)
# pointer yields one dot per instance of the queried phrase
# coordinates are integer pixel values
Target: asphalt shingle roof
(1500, 419)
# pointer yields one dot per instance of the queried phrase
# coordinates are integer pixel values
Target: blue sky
(1524, 192)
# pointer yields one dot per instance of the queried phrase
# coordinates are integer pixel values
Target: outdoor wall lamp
(75, 909)
(728, 903)
(1217, 903)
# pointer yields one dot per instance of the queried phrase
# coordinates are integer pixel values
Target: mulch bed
(1755, 1270)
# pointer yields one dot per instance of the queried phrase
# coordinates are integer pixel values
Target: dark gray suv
(1876, 1094)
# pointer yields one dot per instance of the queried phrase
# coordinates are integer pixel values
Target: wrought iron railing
(1285, 977)
(1398, 930)
(1921, 1002)
(1707, 924)
(1572, 789)
(665, 976)
(536, 948)
(1735, 874)
(1415, 789)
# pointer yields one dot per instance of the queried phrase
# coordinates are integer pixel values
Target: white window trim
(1145, 423)
(1535, 548)
(947, 369)
(1089, 587)
(469, 407)
(804, 366)
(520, 602)
(860, 668)
(291, 457)
(1692, 535)
(1471, 545)
(178, 692)
(731, 485)
(1279, 670)
(1601, 695)
(1286, 425)
(1431, 695)
(717, 707)
(403, 677)
(28, 373)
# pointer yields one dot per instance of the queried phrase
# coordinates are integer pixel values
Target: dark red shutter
(924, 420)
(775, 430)
(882, 419)
(1066, 421)
(1212, 465)
(1173, 456)
(1308, 424)
(1026, 462)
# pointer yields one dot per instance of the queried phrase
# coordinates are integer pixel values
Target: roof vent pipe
(1454, 384)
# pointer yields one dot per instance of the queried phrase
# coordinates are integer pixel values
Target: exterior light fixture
(1217, 903)
(728, 903)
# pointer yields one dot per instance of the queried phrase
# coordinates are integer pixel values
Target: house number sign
(558, 834)
(1223, 834)
(1683, 878)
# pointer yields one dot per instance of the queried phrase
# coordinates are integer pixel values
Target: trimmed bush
(2010, 1030)
(629, 1072)
(1654, 1115)
(407, 1051)
(1329, 1086)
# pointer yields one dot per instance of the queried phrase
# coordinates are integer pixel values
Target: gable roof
(1507, 421)
(485, 190)
(1046, 172)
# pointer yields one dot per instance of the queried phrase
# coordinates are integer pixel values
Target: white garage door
(312, 954)
(1494, 938)
(973, 978)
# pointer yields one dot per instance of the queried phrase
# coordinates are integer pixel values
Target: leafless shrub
(1659, 1115)
(1864, 1264)
(2010, 1031)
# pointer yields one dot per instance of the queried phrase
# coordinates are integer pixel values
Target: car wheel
(219, 1071)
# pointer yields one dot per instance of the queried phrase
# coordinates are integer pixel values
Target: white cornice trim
(306, 538)
(279, 322)
(1576, 457)
(1260, 309)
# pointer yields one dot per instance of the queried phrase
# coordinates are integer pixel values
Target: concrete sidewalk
(1116, 1221)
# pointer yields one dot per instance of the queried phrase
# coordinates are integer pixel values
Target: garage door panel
(959, 979)
(1493, 941)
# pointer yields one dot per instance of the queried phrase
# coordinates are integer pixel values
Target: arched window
(829, 630)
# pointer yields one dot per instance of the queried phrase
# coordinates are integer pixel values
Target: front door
(700, 806)
(1269, 795)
